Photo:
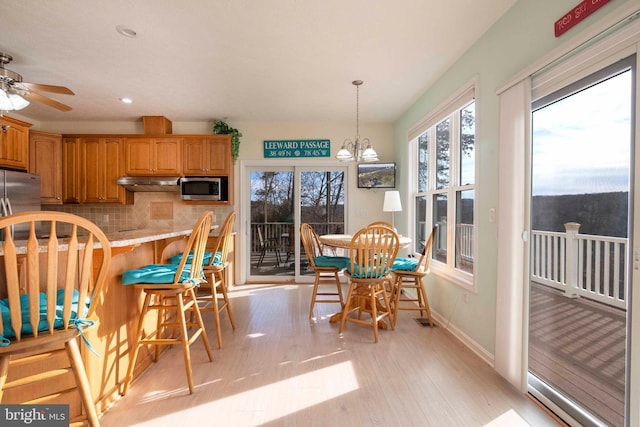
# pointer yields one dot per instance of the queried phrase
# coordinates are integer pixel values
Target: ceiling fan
(11, 83)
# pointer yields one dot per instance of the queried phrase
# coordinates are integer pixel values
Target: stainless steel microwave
(201, 188)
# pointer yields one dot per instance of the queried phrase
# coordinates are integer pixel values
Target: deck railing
(280, 231)
(581, 265)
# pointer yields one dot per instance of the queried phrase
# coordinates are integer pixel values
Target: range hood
(150, 183)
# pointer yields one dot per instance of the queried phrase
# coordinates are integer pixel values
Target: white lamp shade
(9, 102)
(392, 202)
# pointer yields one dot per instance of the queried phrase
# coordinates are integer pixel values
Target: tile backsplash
(150, 210)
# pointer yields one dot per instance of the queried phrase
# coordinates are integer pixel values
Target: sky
(581, 144)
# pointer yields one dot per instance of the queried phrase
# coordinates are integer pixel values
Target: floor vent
(424, 321)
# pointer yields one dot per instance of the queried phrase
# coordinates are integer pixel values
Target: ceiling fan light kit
(13, 90)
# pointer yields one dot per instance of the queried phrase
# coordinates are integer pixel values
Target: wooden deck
(578, 346)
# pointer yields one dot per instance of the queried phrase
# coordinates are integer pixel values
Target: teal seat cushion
(332, 261)
(207, 257)
(356, 273)
(155, 273)
(405, 264)
(27, 327)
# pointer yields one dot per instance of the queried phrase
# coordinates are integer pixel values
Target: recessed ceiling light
(126, 31)
(126, 100)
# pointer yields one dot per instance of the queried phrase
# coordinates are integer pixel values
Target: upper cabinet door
(102, 165)
(14, 143)
(45, 159)
(71, 170)
(153, 156)
(168, 156)
(207, 156)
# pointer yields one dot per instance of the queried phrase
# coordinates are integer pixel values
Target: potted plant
(222, 128)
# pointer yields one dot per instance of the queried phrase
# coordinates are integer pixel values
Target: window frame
(450, 109)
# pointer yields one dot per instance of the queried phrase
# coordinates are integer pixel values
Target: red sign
(577, 14)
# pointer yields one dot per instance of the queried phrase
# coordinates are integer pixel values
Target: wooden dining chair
(372, 252)
(213, 293)
(169, 289)
(50, 289)
(326, 269)
(385, 223)
(409, 273)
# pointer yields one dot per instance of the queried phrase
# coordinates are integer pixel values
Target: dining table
(343, 241)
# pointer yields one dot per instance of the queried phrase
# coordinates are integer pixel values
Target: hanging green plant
(222, 128)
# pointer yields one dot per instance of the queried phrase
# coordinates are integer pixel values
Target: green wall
(521, 37)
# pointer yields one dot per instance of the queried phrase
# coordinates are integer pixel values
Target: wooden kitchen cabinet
(14, 143)
(71, 170)
(153, 156)
(45, 159)
(101, 164)
(207, 156)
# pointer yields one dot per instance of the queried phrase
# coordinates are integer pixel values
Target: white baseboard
(464, 338)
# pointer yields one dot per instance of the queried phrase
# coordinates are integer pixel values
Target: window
(443, 149)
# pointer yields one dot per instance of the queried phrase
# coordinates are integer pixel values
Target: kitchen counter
(123, 239)
(139, 236)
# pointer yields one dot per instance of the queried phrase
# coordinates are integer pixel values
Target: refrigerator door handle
(4, 206)
(9, 208)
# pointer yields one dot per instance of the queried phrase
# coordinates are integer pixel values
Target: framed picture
(377, 175)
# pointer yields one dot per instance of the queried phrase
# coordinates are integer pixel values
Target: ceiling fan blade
(32, 96)
(48, 88)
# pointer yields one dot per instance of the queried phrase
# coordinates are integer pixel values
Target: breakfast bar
(118, 314)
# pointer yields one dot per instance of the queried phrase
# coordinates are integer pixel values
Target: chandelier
(357, 150)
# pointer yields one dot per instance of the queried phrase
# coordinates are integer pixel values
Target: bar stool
(214, 293)
(168, 289)
(50, 297)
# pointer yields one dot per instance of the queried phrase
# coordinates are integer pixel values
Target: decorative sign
(297, 148)
(577, 14)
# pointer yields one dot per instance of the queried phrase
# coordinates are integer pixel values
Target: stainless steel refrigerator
(19, 192)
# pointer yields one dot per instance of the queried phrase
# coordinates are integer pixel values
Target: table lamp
(392, 204)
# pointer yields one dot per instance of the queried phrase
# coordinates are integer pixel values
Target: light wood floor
(278, 368)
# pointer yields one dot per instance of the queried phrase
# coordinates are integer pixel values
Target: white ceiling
(244, 60)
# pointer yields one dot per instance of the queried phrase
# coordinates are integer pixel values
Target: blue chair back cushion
(155, 273)
(205, 260)
(27, 328)
(405, 264)
(332, 261)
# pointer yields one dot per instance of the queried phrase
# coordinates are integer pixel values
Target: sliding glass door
(280, 198)
(581, 163)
